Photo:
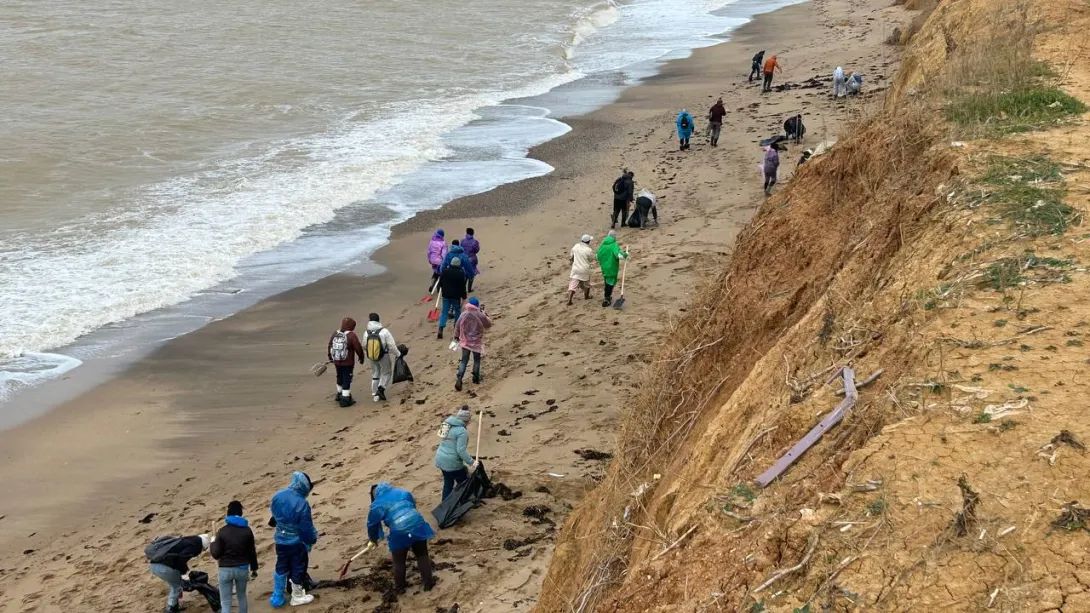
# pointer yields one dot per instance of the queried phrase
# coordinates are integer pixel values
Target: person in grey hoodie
(452, 457)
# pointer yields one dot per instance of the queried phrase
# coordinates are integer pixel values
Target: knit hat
(474, 301)
(205, 541)
(464, 414)
(587, 238)
(234, 508)
(456, 262)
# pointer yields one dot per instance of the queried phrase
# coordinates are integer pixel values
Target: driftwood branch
(675, 543)
(780, 574)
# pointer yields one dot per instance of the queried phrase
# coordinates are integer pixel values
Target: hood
(301, 483)
(469, 238)
(374, 326)
(453, 420)
(382, 489)
(439, 234)
(237, 520)
(469, 306)
(456, 249)
(608, 240)
(348, 324)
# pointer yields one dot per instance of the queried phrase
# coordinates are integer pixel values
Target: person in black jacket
(235, 549)
(452, 282)
(173, 566)
(755, 67)
(624, 189)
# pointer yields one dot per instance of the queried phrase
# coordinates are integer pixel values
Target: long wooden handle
(369, 547)
(624, 269)
(480, 427)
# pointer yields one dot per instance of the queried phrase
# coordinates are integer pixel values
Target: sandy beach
(230, 410)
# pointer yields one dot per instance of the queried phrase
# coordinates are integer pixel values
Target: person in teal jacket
(685, 128)
(452, 456)
(610, 255)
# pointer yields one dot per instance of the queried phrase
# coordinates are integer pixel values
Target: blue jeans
(452, 478)
(173, 578)
(237, 577)
(292, 560)
(465, 362)
(448, 305)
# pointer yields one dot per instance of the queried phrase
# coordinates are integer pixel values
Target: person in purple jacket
(437, 251)
(472, 247)
(771, 166)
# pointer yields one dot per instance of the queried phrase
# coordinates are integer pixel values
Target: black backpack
(160, 548)
(618, 186)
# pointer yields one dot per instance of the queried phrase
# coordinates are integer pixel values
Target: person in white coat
(380, 349)
(582, 266)
(838, 82)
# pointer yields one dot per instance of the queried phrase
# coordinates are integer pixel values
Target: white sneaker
(299, 596)
(375, 398)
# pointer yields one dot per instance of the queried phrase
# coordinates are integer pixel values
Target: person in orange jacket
(771, 65)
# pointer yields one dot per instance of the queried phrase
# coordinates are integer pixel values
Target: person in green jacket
(609, 256)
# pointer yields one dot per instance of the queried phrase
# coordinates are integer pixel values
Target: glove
(253, 574)
(185, 577)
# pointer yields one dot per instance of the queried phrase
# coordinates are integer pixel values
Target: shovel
(431, 293)
(433, 314)
(619, 303)
(348, 563)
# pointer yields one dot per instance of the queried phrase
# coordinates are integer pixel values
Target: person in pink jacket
(469, 333)
(437, 252)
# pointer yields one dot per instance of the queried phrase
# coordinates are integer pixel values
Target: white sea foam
(33, 369)
(589, 21)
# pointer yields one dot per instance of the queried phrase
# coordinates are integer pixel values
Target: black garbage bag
(401, 370)
(773, 140)
(198, 582)
(463, 498)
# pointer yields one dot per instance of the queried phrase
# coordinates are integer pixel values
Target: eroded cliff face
(947, 258)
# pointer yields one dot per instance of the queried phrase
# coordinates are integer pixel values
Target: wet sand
(230, 410)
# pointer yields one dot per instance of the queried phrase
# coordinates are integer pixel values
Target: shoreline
(110, 350)
(222, 412)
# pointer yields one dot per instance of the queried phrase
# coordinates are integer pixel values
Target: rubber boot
(299, 596)
(279, 591)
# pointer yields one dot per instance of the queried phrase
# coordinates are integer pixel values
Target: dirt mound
(939, 270)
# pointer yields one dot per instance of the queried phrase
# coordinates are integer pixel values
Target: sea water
(164, 164)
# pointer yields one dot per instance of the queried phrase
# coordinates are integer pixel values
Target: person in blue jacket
(294, 536)
(468, 266)
(408, 530)
(685, 128)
